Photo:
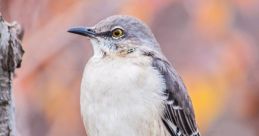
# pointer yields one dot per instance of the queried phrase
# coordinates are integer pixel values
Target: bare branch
(11, 53)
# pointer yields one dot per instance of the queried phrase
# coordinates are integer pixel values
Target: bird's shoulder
(178, 115)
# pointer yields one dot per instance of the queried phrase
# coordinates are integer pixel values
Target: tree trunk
(10, 58)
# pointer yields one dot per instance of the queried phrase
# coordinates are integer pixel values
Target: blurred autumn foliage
(212, 43)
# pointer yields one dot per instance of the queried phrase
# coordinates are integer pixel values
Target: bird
(128, 87)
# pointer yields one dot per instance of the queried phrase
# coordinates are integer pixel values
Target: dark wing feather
(178, 116)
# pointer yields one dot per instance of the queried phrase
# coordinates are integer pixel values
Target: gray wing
(178, 116)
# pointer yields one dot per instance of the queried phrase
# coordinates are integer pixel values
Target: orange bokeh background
(213, 44)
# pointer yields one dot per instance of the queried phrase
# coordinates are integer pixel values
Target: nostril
(90, 31)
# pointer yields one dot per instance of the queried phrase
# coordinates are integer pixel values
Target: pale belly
(122, 98)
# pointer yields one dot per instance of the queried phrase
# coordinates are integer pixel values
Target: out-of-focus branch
(11, 53)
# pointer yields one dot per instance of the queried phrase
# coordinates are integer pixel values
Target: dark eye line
(104, 34)
(107, 34)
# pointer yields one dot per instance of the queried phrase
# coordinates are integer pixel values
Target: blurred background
(213, 44)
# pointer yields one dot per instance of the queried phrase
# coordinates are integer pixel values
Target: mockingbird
(129, 88)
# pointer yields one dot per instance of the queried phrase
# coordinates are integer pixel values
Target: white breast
(121, 97)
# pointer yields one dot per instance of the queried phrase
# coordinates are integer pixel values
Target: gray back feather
(178, 116)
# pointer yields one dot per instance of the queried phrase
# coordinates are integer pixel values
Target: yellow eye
(116, 33)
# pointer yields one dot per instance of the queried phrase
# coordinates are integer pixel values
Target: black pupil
(117, 33)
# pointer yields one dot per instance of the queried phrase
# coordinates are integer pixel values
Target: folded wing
(178, 116)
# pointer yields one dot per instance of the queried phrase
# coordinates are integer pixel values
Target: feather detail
(178, 116)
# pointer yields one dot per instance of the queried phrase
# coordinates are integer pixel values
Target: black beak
(83, 31)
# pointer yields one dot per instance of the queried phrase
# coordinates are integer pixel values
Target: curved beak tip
(76, 30)
(82, 31)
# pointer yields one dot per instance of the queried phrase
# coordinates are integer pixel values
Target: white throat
(99, 52)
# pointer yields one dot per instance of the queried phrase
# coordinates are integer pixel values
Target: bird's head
(117, 32)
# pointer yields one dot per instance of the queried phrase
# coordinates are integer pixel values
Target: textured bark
(10, 58)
